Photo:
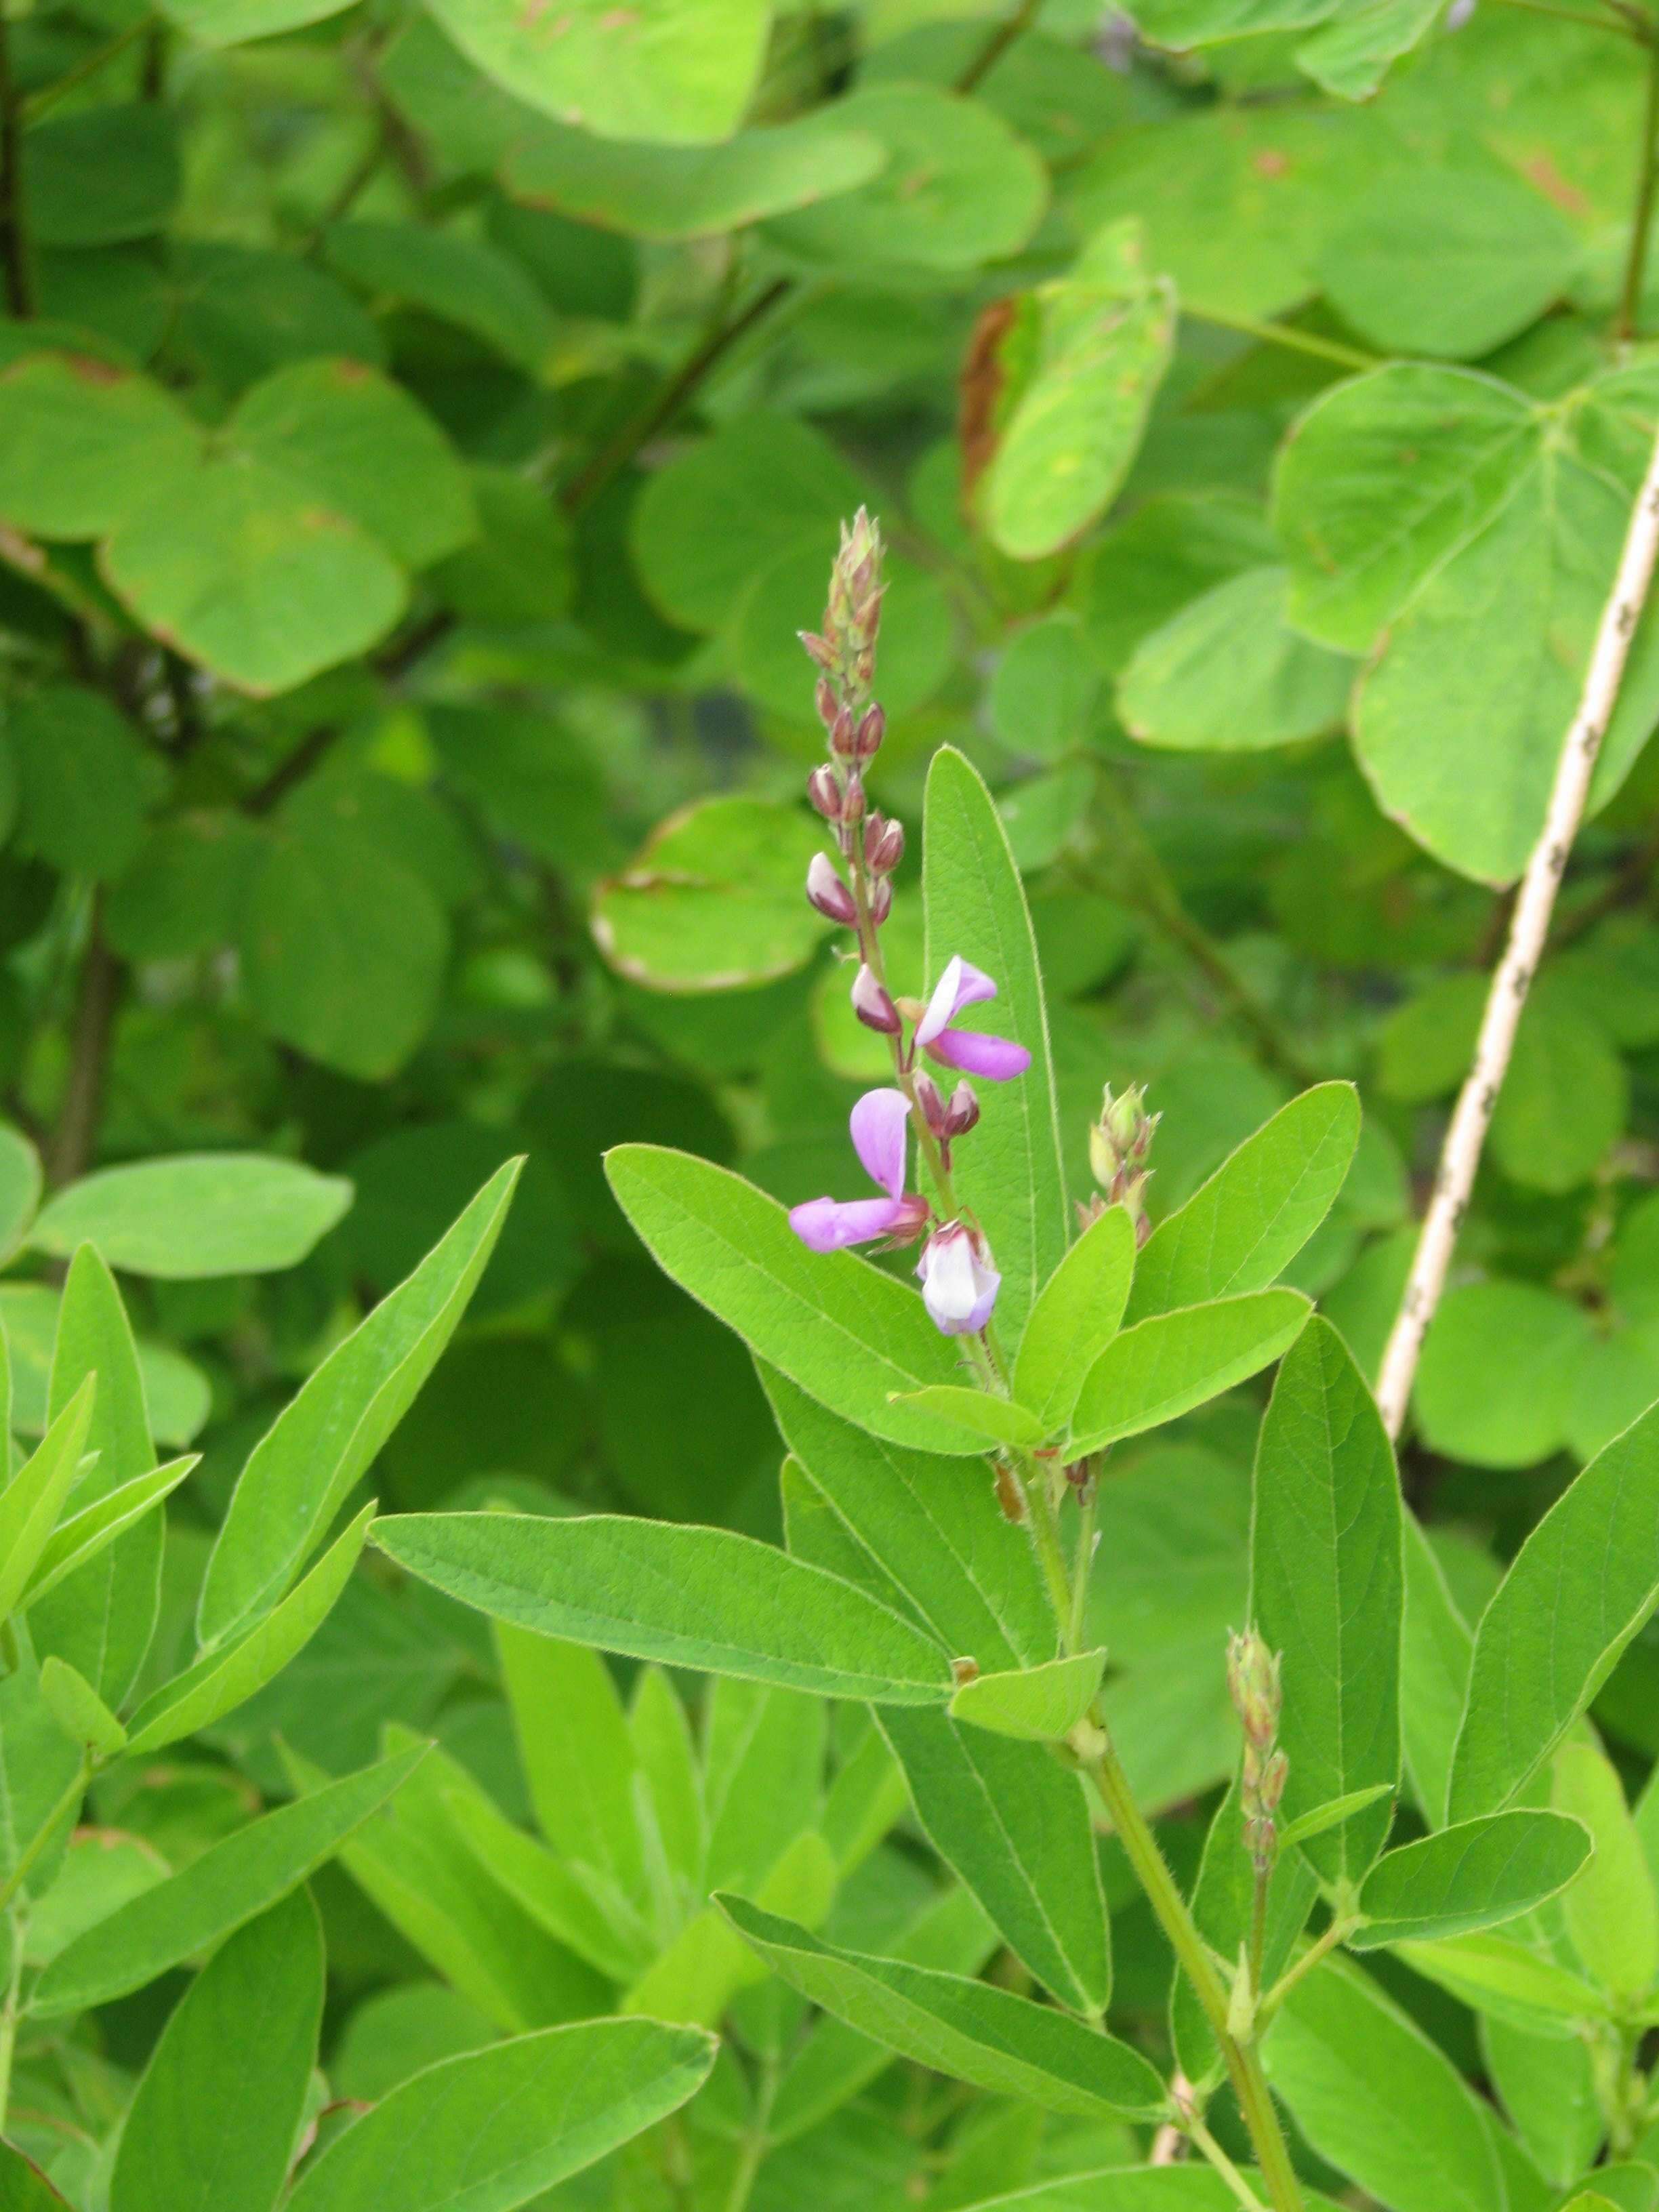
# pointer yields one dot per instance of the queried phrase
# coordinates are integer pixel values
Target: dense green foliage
(424, 431)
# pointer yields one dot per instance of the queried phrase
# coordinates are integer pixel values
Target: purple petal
(989, 1284)
(961, 985)
(826, 1225)
(976, 1053)
(880, 1123)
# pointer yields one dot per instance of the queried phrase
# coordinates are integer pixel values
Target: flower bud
(824, 698)
(1118, 1144)
(827, 892)
(852, 799)
(819, 650)
(842, 735)
(881, 900)
(884, 844)
(928, 1098)
(961, 1112)
(872, 1005)
(823, 789)
(1253, 1685)
(872, 727)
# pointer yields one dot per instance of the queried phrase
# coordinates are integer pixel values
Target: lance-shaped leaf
(80, 1536)
(1350, 2064)
(1076, 1314)
(212, 2124)
(687, 1596)
(102, 1618)
(848, 1334)
(1039, 1703)
(1014, 1825)
(987, 2036)
(931, 1537)
(300, 1472)
(23, 2187)
(1243, 1228)
(1577, 1592)
(1009, 1177)
(1612, 1914)
(492, 2129)
(220, 1680)
(213, 1894)
(995, 1419)
(1175, 1361)
(1499, 1976)
(1434, 1674)
(1469, 1877)
(1326, 1591)
(31, 1502)
(79, 1711)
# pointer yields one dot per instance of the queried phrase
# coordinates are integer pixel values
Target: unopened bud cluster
(1253, 1685)
(1118, 1144)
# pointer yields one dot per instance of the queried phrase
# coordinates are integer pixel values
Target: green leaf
(79, 1711)
(1611, 1911)
(458, 279)
(1434, 1674)
(343, 946)
(1170, 1363)
(81, 444)
(1501, 1978)
(31, 1501)
(1077, 370)
(1328, 1592)
(1349, 55)
(1577, 1591)
(1009, 1177)
(1469, 1877)
(712, 901)
(552, 1892)
(1448, 262)
(103, 175)
(1245, 1225)
(1014, 1826)
(233, 23)
(227, 1677)
(196, 1214)
(574, 1746)
(302, 1470)
(958, 188)
(687, 1596)
(996, 1419)
(1499, 1369)
(23, 2187)
(707, 1964)
(494, 2128)
(1076, 1315)
(1348, 2063)
(367, 452)
(241, 566)
(844, 1332)
(1362, 532)
(212, 2124)
(1041, 1704)
(20, 1180)
(214, 1894)
(1331, 1815)
(83, 791)
(1224, 1907)
(1228, 674)
(678, 74)
(928, 1541)
(979, 2035)
(666, 193)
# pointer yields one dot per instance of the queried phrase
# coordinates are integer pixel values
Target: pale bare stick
(1512, 978)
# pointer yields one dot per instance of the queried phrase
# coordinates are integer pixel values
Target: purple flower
(880, 1125)
(959, 1285)
(969, 1050)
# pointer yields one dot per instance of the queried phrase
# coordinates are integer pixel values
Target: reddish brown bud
(824, 698)
(827, 892)
(1010, 1496)
(842, 735)
(852, 800)
(928, 1098)
(884, 844)
(872, 729)
(872, 1005)
(818, 649)
(823, 789)
(961, 1112)
(881, 900)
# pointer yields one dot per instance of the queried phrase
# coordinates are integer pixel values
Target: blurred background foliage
(421, 433)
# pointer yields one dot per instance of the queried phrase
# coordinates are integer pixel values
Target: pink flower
(959, 1285)
(970, 1050)
(880, 1125)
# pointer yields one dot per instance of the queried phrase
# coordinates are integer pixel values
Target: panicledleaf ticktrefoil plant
(947, 1494)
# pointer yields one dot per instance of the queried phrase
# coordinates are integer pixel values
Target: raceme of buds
(872, 1005)
(1253, 1685)
(884, 845)
(1118, 1144)
(827, 892)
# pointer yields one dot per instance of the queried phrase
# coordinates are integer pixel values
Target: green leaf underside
(1469, 1877)
(1041, 1704)
(687, 1596)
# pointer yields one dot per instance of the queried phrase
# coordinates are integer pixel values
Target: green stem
(9, 2013)
(1011, 28)
(1051, 1553)
(1321, 1947)
(1195, 2128)
(1285, 335)
(755, 2141)
(1264, 1874)
(25, 1866)
(1636, 259)
(1083, 1559)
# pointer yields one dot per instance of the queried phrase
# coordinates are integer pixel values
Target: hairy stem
(1083, 1558)
(1321, 1947)
(1529, 924)
(1224, 2166)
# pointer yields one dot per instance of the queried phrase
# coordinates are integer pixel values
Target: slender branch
(14, 1926)
(1222, 2165)
(14, 246)
(37, 1844)
(1321, 1947)
(1083, 1558)
(266, 796)
(1528, 928)
(1011, 28)
(1285, 335)
(1636, 259)
(97, 998)
(89, 65)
